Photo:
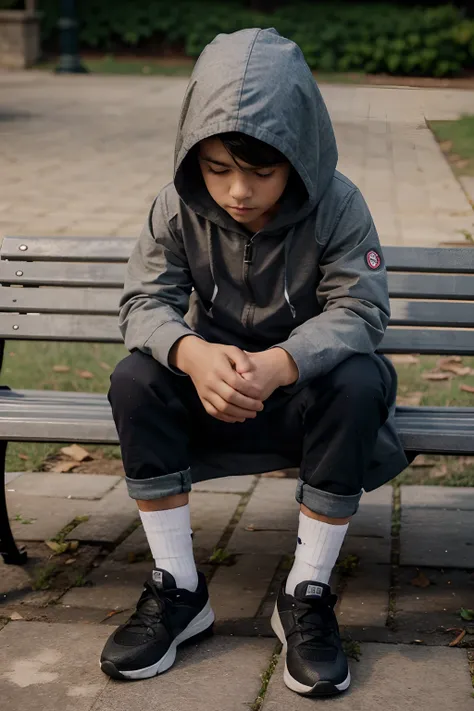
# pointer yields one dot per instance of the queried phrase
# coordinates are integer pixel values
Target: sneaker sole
(201, 623)
(321, 688)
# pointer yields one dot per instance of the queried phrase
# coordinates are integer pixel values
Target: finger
(239, 359)
(211, 410)
(232, 396)
(226, 408)
(241, 383)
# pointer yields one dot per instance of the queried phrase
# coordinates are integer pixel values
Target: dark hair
(251, 150)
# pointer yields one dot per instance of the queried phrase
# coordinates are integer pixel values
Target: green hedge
(430, 41)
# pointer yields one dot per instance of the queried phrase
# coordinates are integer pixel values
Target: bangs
(250, 150)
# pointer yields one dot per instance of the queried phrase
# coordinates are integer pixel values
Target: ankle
(167, 502)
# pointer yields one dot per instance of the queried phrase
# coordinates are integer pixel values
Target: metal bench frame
(67, 289)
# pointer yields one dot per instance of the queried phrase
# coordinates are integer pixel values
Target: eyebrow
(227, 165)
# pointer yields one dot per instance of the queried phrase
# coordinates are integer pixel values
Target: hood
(257, 82)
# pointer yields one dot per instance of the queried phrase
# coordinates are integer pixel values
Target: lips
(241, 209)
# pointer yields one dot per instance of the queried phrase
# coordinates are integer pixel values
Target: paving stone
(135, 546)
(369, 532)
(112, 586)
(421, 610)
(390, 678)
(438, 497)
(217, 674)
(365, 598)
(46, 521)
(74, 486)
(109, 519)
(11, 476)
(227, 485)
(238, 590)
(272, 515)
(210, 516)
(368, 550)
(434, 538)
(38, 672)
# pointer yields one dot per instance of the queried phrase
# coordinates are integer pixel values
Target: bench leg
(12, 555)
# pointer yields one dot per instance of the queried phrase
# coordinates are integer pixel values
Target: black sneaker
(315, 663)
(165, 617)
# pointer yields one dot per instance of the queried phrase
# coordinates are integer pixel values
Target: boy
(272, 300)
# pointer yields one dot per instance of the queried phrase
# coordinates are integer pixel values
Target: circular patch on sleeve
(373, 259)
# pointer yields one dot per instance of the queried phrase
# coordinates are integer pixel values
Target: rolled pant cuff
(325, 503)
(158, 487)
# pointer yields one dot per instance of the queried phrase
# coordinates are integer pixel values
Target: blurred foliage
(368, 37)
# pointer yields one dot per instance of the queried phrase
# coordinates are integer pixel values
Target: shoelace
(144, 617)
(310, 618)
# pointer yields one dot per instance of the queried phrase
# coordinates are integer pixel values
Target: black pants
(329, 428)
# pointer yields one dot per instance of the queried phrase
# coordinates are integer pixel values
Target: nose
(240, 188)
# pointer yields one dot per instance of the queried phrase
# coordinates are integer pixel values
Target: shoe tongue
(163, 580)
(310, 589)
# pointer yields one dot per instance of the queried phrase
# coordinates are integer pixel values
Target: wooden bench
(70, 290)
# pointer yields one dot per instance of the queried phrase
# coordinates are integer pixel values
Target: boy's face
(233, 186)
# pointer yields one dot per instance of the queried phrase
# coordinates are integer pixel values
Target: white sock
(169, 537)
(316, 552)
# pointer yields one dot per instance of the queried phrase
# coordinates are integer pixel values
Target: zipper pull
(248, 253)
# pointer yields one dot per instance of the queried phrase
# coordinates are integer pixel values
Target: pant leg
(152, 412)
(343, 414)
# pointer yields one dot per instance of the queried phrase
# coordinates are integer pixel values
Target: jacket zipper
(248, 260)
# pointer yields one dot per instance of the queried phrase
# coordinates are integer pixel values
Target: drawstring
(211, 264)
(288, 243)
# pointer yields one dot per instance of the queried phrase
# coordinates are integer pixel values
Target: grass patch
(456, 139)
(30, 365)
(266, 676)
(110, 64)
(443, 471)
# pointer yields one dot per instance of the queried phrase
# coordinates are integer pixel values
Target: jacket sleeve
(352, 292)
(158, 285)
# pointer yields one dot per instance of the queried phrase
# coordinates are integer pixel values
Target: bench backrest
(71, 289)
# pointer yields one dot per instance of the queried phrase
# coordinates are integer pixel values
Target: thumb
(239, 359)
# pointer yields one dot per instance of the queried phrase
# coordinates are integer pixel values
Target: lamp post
(69, 60)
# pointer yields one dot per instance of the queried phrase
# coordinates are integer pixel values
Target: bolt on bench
(68, 289)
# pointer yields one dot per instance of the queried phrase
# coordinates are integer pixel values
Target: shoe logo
(158, 577)
(314, 590)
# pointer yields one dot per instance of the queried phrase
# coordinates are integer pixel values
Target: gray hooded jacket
(311, 281)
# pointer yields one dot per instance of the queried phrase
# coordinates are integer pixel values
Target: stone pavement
(86, 155)
(405, 571)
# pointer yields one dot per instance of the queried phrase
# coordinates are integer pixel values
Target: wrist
(182, 354)
(287, 369)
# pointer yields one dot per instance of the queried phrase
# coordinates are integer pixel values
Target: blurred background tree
(429, 39)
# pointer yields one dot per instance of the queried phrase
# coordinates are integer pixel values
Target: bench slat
(64, 249)
(431, 313)
(60, 300)
(62, 274)
(60, 327)
(455, 260)
(428, 341)
(431, 286)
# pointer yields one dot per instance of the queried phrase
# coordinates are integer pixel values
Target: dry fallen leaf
(423, 461)
(404, 359)
(436, 376)
(61, 368)
(446, 146)
(79, 454)
(105, 366)
(456, 369)
(86, 374)
(25, 457)
(467, 388)
(449, 359)
(63, 467)
(458, 639)
(70, 561)
(56, 547)
(411, 400)
(439, 472)
(421, 581)
(16, 616)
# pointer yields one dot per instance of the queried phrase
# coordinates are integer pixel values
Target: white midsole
(200, 623)
(291, 683)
